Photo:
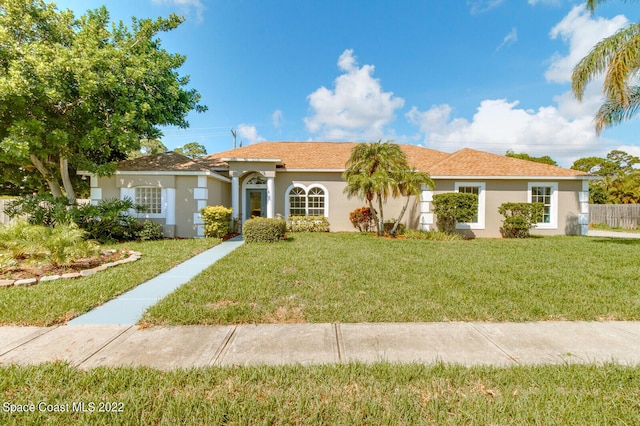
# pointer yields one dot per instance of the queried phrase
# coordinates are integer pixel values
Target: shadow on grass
(622, 241)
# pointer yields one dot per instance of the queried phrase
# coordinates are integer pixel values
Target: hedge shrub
(454, 207)
(150, 231)
(362, 219)
(263, 230)
(388, 226)
(520, 218)
(217, 221)
(308, 224)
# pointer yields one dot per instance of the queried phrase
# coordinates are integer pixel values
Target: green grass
(58, 301)
(330, 394)
(350, 277)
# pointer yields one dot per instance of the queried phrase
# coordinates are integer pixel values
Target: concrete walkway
(127, 308)
(500, 344)
(612, 234)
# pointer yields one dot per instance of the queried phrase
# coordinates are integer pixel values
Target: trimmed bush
(362, 219)
(217, 221)
(263, 230)
(308, 224)
(388, 226)
(150, 231)
(520, 218)
(454, 207)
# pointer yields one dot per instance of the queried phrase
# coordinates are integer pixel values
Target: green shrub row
(454, 207)
(263, 230)
(307, 224)
(108, 221)
(217, 221)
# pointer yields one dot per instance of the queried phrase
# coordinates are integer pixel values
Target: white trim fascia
(555, 178)
(169, 173)
(312, 170)
(251, 160)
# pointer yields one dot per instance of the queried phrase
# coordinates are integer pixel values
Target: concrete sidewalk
(127, 308)
(477, 343)
(612, 234)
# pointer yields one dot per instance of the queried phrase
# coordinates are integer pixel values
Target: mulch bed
(25, 270)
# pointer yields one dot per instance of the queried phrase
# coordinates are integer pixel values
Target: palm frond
(613, 112)
(598, 59)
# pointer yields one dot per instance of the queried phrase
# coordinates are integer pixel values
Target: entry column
(235, 194)
(270, 191)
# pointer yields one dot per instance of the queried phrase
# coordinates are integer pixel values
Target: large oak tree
(81, 92)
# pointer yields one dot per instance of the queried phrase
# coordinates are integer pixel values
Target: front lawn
(350, 277)
(327, 394)
(58, 301)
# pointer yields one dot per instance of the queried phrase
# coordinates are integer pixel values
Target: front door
(256, 203)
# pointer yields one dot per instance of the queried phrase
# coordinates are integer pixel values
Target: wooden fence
(616, 215)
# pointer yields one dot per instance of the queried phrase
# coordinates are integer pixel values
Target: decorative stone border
(133, 256)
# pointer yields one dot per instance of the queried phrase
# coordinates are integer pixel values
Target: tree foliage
(523, 156)
(149, 147)
(617, 58)
(82, 92)
(192, 150)
(378, 170)
(620, 179)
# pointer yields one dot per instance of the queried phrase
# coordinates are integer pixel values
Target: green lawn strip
(604, 227)
(57, 301)
(330, 394)
(340, 277)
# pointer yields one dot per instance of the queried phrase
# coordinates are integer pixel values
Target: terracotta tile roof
(319, 155)
(469, 162)
(334, 155)
(166, 161)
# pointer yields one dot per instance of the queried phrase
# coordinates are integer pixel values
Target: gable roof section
(470, 162)
(333, 156)
(163, 162)
(318, 155)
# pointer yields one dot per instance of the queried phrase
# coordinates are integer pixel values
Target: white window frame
(163, 203)
(553, 208)
(480, 224)
(306, 198)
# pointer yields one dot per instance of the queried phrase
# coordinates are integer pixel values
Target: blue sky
(485, 74)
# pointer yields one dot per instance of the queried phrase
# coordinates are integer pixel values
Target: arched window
(306, 202)
(297, 201)
(315, 202)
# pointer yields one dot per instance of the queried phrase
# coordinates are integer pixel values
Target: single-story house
(279, 179)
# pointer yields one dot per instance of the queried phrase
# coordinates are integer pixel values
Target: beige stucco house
(273, 179)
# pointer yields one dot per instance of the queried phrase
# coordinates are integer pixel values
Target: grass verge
(58, 301)
(330, 394)
(350, 277)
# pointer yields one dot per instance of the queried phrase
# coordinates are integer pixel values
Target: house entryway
(256, 205)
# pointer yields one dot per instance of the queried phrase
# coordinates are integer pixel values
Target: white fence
(616, 215)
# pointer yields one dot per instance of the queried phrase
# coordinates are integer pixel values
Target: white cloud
(277, 118)
(481, 6)
(186, 7)
(564, 130)
(581, 31)
(357, 109)
(499, 125)
(248, 134)
(509, 39)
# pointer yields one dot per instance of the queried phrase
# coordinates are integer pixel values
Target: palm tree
(618, 58)
(409, 182)
(370, 175)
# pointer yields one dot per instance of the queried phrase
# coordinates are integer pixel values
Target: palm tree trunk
(54, 186)
(380, 218)
(404, 209)
(66, 180)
